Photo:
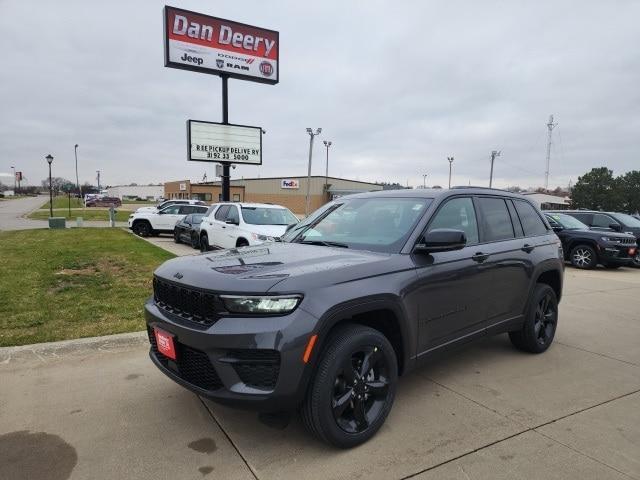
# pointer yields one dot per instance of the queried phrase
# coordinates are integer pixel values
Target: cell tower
(550, 126)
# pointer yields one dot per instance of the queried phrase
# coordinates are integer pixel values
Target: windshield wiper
(324, 243)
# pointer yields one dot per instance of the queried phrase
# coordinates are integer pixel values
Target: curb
(48, 351)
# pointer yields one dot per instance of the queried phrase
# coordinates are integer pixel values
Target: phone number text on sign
(216, 142)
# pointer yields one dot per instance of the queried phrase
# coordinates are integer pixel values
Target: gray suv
(363, 291)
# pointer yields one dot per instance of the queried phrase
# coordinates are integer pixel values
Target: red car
(104, 202)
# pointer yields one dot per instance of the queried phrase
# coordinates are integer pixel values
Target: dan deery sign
(212, 45)
(217, 142)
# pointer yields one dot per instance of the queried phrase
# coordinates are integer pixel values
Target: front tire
(354, 387)
(194, 241)
(584, 257)
(541, 320)
(142, 228)
(204, 243)
(176, 236)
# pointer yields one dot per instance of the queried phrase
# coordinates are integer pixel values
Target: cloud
(397, 88)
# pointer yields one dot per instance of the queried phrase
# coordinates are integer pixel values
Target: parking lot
(99, 409)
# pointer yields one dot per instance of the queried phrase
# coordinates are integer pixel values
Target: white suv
(148, 223)
(166, 203)
(230, 225)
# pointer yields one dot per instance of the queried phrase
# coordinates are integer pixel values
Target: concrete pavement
(12, 212)
(490, 412)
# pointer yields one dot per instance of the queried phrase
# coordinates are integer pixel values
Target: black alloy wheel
(539, 327)
(142, 229)
(636, 258)
(353, 387)
(176, 235)
(204, 243)
(361, 388)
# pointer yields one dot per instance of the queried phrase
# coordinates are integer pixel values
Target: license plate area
(165, 343)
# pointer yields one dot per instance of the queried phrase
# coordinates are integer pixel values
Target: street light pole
(450, 163)
(311, 137)
(326, 174)
(77, 181)
(49, 160)
(98, 172)
(494, 154)
(14, 180)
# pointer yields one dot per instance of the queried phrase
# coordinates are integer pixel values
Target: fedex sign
(290, 183)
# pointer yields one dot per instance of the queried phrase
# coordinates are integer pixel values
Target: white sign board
(289, 183)
(217, 142)
(183, 187)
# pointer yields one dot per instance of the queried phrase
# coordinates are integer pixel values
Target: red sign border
(213, 71)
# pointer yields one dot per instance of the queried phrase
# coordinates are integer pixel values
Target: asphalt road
(101, 410)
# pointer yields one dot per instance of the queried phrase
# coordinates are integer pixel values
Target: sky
(397, 87)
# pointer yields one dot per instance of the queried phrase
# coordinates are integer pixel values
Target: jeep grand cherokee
(363, 291)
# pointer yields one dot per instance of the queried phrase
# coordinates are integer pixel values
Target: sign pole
(226, 196)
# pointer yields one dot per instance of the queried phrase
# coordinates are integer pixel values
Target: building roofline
(299, 177)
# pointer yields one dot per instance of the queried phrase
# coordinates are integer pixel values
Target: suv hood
(146, 210)
(258, 269)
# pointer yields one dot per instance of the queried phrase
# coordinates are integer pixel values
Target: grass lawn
(63, 202)
(61, 284)
(85, 213)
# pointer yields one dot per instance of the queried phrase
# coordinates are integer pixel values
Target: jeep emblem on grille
(178, 276)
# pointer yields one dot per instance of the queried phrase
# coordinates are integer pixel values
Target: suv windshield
(628, 220)
(268, 216)
(377, 224)
(566, 221)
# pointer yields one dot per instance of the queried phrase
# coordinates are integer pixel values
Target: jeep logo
(189, 58)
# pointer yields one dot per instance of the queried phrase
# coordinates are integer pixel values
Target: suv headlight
(265, 304)
(262, 238)
(609, 239)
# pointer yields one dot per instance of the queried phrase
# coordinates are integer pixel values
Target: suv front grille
(188, 303)
(256, 368)
(191, 365)
(627, 241)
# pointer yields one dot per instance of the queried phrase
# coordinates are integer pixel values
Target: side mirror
(442, 240)
(557, 228)
(615, 227)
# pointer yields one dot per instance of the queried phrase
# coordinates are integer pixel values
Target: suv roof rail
(456, 187)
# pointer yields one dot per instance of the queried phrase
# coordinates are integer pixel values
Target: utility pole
(98, 172)
(326, 174)
(450, 163)
(494, 154)
(311, 137)
(225, 188)
(77, 181)
(550, 126)
(424, 180)
(14, 180)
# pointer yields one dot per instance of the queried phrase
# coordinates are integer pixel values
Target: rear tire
(194, 241)
(142, 228)
(541, 320)
(353, 389)
(176, 236)
(204, 243)
(583, 257)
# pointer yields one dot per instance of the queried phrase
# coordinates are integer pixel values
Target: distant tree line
(600, 190)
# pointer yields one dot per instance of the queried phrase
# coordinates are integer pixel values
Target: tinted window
(221, 214)
(583, 217)
(200, 209)
(196, 218)
(172, 210)
(602, 221)
(186, 209)
(187, 219)
(495, 219)
(514, 219)
(459, 215)
(210, 210)
(531, 222)
(268, 216)
(628, 220)
(233, 214)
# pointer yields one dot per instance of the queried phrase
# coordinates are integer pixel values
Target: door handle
(480, 257)
(224, 226)
(528, 248)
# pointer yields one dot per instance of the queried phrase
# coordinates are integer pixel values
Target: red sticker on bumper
(165, 343)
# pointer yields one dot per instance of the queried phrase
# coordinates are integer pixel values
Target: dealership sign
(194, 41)
(218, 142)
(290, 183)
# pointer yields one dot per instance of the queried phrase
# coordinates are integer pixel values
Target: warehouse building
(290, 192)
(131, 192)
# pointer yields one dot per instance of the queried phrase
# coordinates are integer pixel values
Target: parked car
(166, 203)
(229, 225)
(103, 202)
(610, 222)
(163, 221)
(364, 290)
(586, 248)
(188, 230)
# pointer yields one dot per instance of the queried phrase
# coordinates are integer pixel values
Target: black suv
(365, 289)
(610, 222)
(586, 248)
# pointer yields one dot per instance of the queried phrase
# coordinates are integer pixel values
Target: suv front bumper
(617, 254)
(249, 362)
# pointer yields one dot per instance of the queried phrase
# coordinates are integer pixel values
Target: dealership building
(287, 191)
